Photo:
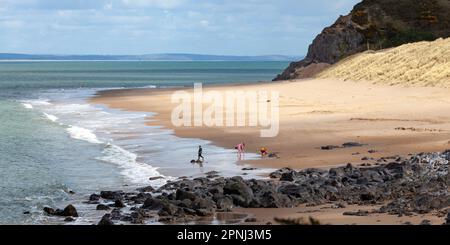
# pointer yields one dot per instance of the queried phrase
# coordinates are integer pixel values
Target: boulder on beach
(70, 210)
(106, 220)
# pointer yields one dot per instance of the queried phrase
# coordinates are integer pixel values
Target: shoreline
(315, 113)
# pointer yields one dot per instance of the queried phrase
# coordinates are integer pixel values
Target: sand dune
(415, 64)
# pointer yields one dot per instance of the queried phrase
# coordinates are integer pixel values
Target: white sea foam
(135, 171)
(91, 124)
(149, 86)
(83, 134)
(28, 106)
(51, 117)
(38, 102)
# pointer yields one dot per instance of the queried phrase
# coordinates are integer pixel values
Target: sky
(221, 27)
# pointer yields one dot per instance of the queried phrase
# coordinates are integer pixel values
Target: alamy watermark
(233, 108)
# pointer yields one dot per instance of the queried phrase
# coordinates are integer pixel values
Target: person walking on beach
(241, 150)
(200, 154)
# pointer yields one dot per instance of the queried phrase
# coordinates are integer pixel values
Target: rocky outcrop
(403, 186)
(373, 25)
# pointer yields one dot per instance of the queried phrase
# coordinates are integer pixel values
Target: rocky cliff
(373, 25)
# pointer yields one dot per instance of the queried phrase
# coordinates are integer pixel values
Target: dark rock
(94, 197)
(272, 199)
(212, 176)
(164, 207)
(337, 172)
(293, 190)
(140, 198)
(49, 210)
(242, 194)
(102, 207)
(111, 195)
(153, 204)
(70, 210)
(352, 144)
(105, 220)
(138, 217)
(368, 196)
(340, 205)
(273, 155)
(116, 214)
(155, 178)
(189, 211)
(216, 190)
(329, 147)
(225, 203)
(186, 203)
(203, 212)
(182, 195)
(146, 189)
(249, 169)
(425, 222)
(277, 174)
(289, 176)
(168, 210)
(212, 173)
(250, 220)
(204, 203)
(119, 204)
(358, 213)
(27, 212)
(69, 219)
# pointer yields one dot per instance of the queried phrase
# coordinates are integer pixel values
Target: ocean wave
(80, 133)
(135, 171)
(27, 106)
(83, 121)
(37, 102)
(51, 117)
(148, 86)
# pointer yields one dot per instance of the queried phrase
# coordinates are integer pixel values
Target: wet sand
(330, 215)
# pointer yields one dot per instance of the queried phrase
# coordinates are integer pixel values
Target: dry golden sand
(415, 64)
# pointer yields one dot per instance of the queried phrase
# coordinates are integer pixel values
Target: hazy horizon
(139, 27)
(144, 54)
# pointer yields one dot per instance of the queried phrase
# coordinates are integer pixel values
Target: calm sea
(52, 142)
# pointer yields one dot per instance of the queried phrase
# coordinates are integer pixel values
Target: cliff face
(374, 25)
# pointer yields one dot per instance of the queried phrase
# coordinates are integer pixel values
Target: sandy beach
(388, 120)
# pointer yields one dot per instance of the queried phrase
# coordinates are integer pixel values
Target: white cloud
(145, 26)
(165, 4)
